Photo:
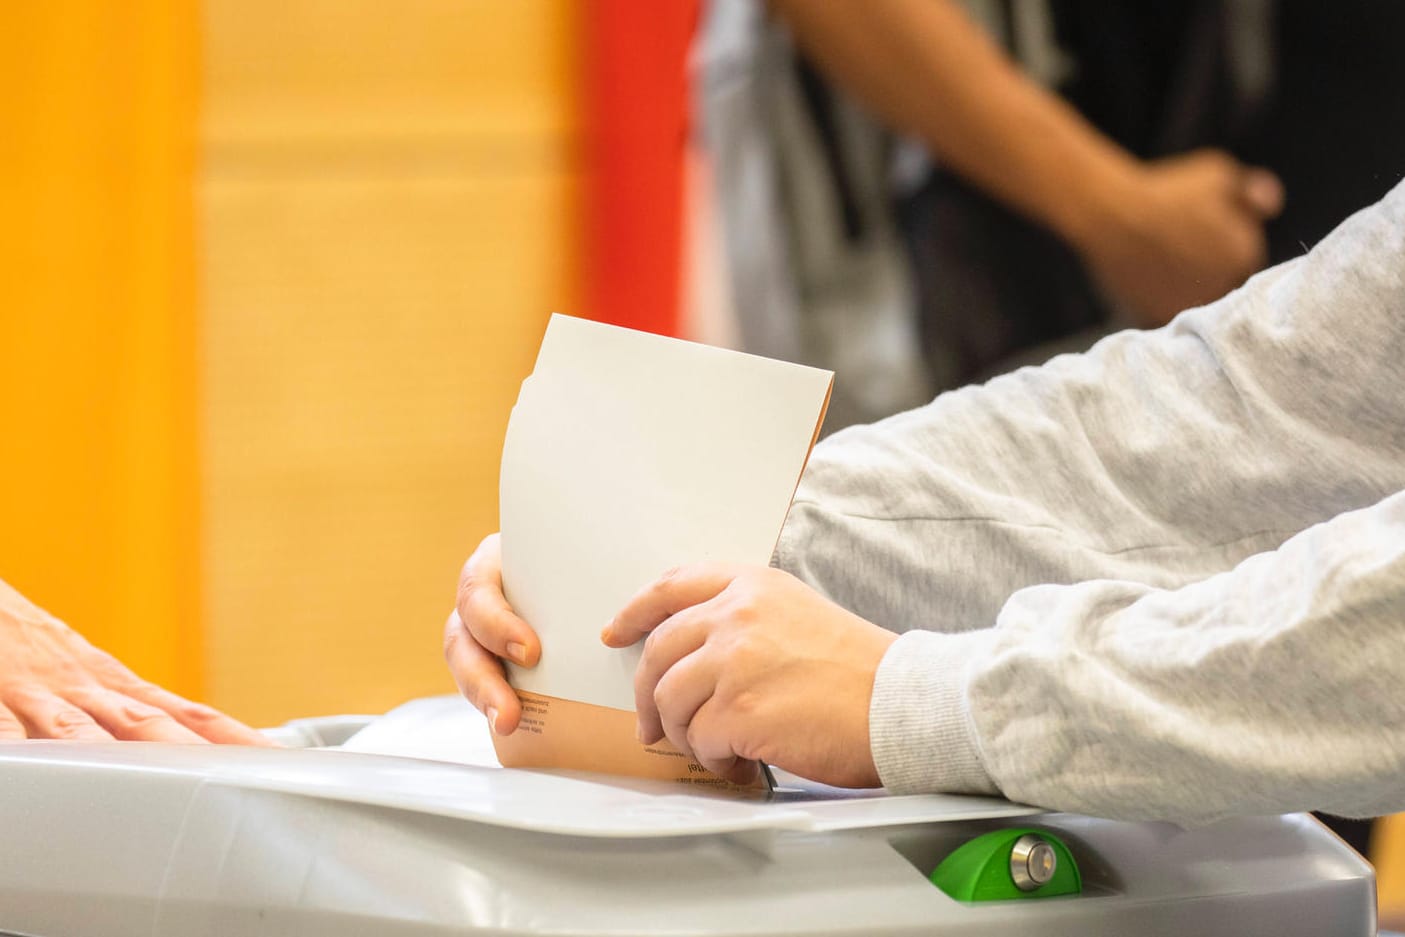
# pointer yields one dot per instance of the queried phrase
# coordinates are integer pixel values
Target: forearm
(928, 69)
(1158, 457)
(1268, 689)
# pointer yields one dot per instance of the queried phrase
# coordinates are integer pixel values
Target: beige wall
(386, 219)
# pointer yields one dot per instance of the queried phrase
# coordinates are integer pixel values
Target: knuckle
(470, 691)
(739, 703)
(137, 715)
(453, 633)
(70, 723)
(659, 694)
(463, 597)
(646, 689)
(480, 611)
(743, 704)
(199, 713)
(476, 682)
(669, 578)
(749, 750)
(652, 641)
(745, 613)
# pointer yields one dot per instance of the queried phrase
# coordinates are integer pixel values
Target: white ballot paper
(627, 454)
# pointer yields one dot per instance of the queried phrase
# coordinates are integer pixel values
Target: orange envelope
(627, 454)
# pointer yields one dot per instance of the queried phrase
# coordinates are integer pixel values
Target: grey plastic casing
(126, 839)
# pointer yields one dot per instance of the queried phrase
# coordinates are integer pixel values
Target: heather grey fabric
(1162, 579)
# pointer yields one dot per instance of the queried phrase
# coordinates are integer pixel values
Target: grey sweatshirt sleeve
(1180, 657)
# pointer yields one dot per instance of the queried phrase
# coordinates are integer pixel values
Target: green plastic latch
(986, 868)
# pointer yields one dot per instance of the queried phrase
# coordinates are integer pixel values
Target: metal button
(1032, 862)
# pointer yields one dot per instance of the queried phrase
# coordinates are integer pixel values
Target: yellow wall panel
(355, 412)
(1388, 854)
(474, 68)
(98, 493)
(386, 221)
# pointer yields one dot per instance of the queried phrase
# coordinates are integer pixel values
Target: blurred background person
(908, 278)
(921, 193)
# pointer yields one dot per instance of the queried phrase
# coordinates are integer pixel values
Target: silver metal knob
(1032, 862)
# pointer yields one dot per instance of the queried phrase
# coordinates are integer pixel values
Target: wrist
(1100, 203)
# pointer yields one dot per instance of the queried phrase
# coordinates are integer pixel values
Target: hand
(481, 630)
(1179, 232)
(749, 664)
(54, 684)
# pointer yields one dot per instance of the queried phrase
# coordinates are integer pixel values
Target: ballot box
(402, 825)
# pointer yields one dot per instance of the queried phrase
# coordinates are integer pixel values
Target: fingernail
(492, 715)
(518, 653)
(607, 633)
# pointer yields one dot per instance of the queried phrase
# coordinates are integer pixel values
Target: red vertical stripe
(636, 112)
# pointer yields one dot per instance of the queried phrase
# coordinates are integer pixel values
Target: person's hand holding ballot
(629, 454)
(740, 665)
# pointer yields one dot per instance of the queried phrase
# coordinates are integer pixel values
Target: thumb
(1261, 192)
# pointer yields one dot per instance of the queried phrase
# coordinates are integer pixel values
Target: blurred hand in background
(1179, 232)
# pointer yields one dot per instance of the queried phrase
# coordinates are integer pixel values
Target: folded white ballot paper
(627, 454)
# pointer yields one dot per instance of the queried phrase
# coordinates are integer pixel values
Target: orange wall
(1388, 853)
(98, 496)
(387, 217)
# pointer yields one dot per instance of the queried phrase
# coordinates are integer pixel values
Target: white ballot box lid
(443, 763)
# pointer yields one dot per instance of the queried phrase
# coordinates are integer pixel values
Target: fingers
(140, 722)
(480, 678)
(677, 589)
(99, 714)
(484, 611)
(686, 688)
(206, 722)
(132, 720)
(47, 716)
(710, 745)
(1261, 192)
(672, 642)
(482, 629)
(11, 729)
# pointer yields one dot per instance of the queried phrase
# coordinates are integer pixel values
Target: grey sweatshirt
(1162, 579)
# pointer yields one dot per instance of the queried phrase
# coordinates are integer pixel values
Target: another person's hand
(1179, 232)
(54, 684)
(480, 632)
(748, 664)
